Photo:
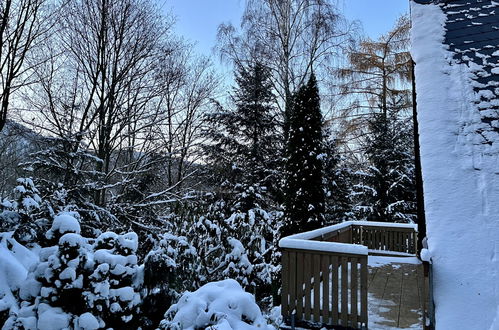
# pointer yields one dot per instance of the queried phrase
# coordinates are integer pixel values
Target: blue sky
(197, 20)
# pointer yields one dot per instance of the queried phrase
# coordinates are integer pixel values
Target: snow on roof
(457, 83)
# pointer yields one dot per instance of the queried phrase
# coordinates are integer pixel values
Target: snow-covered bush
(218, 305)
(27, 196)
(63, 268)
(170, 268)
(78, 282)
(22, 215)
(15, 260)
(112, 295)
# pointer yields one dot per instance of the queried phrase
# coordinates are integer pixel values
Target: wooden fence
(324, 272)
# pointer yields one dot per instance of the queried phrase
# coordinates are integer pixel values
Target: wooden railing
(324, 272)
(386, 238)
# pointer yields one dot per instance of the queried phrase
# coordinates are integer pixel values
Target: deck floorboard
(395, 294)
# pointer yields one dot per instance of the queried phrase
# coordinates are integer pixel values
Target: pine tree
(304, 193)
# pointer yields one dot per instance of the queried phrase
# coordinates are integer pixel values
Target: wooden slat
(344, 291)
(409, 243)
(385, 239)
(415, 238)
(354, 287)
(363, 290)
(335, 289)
(285, 284)
(325, 288)
(299, 285)
(407, 235)
(317, 287)
(390, 240)
(292, 281)
(307, 277)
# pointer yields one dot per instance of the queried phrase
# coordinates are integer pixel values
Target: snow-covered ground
(461, 181)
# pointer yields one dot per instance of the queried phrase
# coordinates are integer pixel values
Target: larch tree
(378, 83)
(304, 190)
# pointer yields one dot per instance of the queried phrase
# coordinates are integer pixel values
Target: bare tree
(97, 90)
(22, 24)
(188, 84)
(293, 37)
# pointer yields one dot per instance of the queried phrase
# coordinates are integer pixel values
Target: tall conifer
(304, 200)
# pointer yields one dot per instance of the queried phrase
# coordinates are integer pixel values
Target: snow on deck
(395, 288)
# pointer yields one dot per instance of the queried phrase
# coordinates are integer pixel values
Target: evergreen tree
(386, 188)
(337, 182)
(244, 149)
(244, 140)
(304, 192)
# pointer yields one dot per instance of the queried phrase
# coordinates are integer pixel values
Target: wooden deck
(395, 295)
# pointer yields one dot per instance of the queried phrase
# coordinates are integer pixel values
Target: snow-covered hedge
(78, 282)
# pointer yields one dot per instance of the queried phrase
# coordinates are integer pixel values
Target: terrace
(354, 275)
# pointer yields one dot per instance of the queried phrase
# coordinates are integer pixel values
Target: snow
(52, 318)
(460, 181)
(304, 240)
(71, 239)
(223, 303)
(107, 257)
(425, 255)
(63, 223)
(129, 241)
(302, 244)
(87, 321)
(14, 264)
(380, 261)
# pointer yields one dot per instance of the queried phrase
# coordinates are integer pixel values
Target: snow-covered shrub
(62, 271)
(253, 247)
(23, 211)
(9, 219)
(79, 284)
(27, 196)
(237, 264)
(235, 242)
(218, 305)
(112, 295)
(15, 260)
(171, 268)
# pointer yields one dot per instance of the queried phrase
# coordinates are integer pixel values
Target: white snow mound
(224, 304)
(63, 223)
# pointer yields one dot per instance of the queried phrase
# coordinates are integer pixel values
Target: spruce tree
(337, 183)
(385, 189)
(304, 193)
(243, 140)
(244, 150)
